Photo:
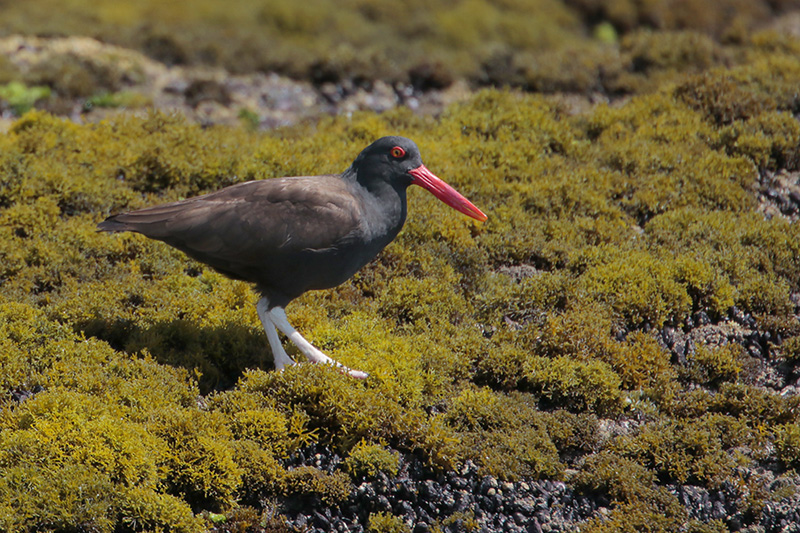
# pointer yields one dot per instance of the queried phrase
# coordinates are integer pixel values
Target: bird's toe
(358, 374)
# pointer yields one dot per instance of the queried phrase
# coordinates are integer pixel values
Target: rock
(421, 527)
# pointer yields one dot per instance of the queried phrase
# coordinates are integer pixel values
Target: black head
(389, 159)
(396, 161)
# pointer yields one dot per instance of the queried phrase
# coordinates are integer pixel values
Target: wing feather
(247, 222)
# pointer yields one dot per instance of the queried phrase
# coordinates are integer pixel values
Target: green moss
(124, 99)
(574, 433)
(322, 41)
(721, 98)
(387, 523)
(787, 443)
(590, 385)
(309, 482)
(502, 367)
(586, 334)
(154, 167)
(368, 460)
(709, 290)
(200, 459)
(750, 253)
(516, 453)
(263, 476)
(649, 176)
(117, 422)
(704, 16)
(21, 98)
(335, 412)
(255, 418)
(404, 296)
(504, 434)
(26, 355)
(146, 510)
(73, 449)
(87, 503)
(769, 139)
(71, 75)
(519, 43)
(751, 404)
(618, 478)
(528, 300)
(481, 409)
(582, 67)
(63, 428)
(460, 520)
(791, 348)
(694, 450)
(663, 514)
(686, 50)
(715, 365)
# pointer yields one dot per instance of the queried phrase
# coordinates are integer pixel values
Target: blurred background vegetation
(426, 43)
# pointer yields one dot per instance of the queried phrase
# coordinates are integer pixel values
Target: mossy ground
(136, 386)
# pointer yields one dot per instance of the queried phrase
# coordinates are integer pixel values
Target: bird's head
(397, 161)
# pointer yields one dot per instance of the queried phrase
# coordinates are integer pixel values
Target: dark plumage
(291, 235)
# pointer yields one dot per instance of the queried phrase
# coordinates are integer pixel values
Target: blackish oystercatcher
(292, 235)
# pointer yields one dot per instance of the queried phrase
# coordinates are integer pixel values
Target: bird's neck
(384, 206)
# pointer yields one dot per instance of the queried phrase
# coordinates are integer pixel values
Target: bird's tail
(157, 221)
(112, 225)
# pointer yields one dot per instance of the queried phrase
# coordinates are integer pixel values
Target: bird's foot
(276, 317)
(358, 374)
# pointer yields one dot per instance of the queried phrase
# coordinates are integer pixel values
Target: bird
(291, 235)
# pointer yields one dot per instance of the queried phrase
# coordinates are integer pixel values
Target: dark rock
(382, 504)
(487, 483)
(405, 489)
(424, 517)
(463, 500)
(525, 506)
(430, 491)
(421, 527)
(403, 508)
(534, 527)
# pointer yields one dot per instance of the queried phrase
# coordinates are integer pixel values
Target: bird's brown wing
(250, 222)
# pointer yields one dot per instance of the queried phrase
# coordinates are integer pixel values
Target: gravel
(453, 500)
(425, 499)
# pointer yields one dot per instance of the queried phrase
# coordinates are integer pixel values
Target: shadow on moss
(219, 355)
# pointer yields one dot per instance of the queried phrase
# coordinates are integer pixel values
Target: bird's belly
(287, 278)
(332, 269)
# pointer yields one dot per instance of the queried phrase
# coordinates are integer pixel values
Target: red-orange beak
(428, 180)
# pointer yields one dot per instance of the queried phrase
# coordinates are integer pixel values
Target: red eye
(397, 152)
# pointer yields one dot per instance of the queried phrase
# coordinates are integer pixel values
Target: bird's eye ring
(397, 152)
